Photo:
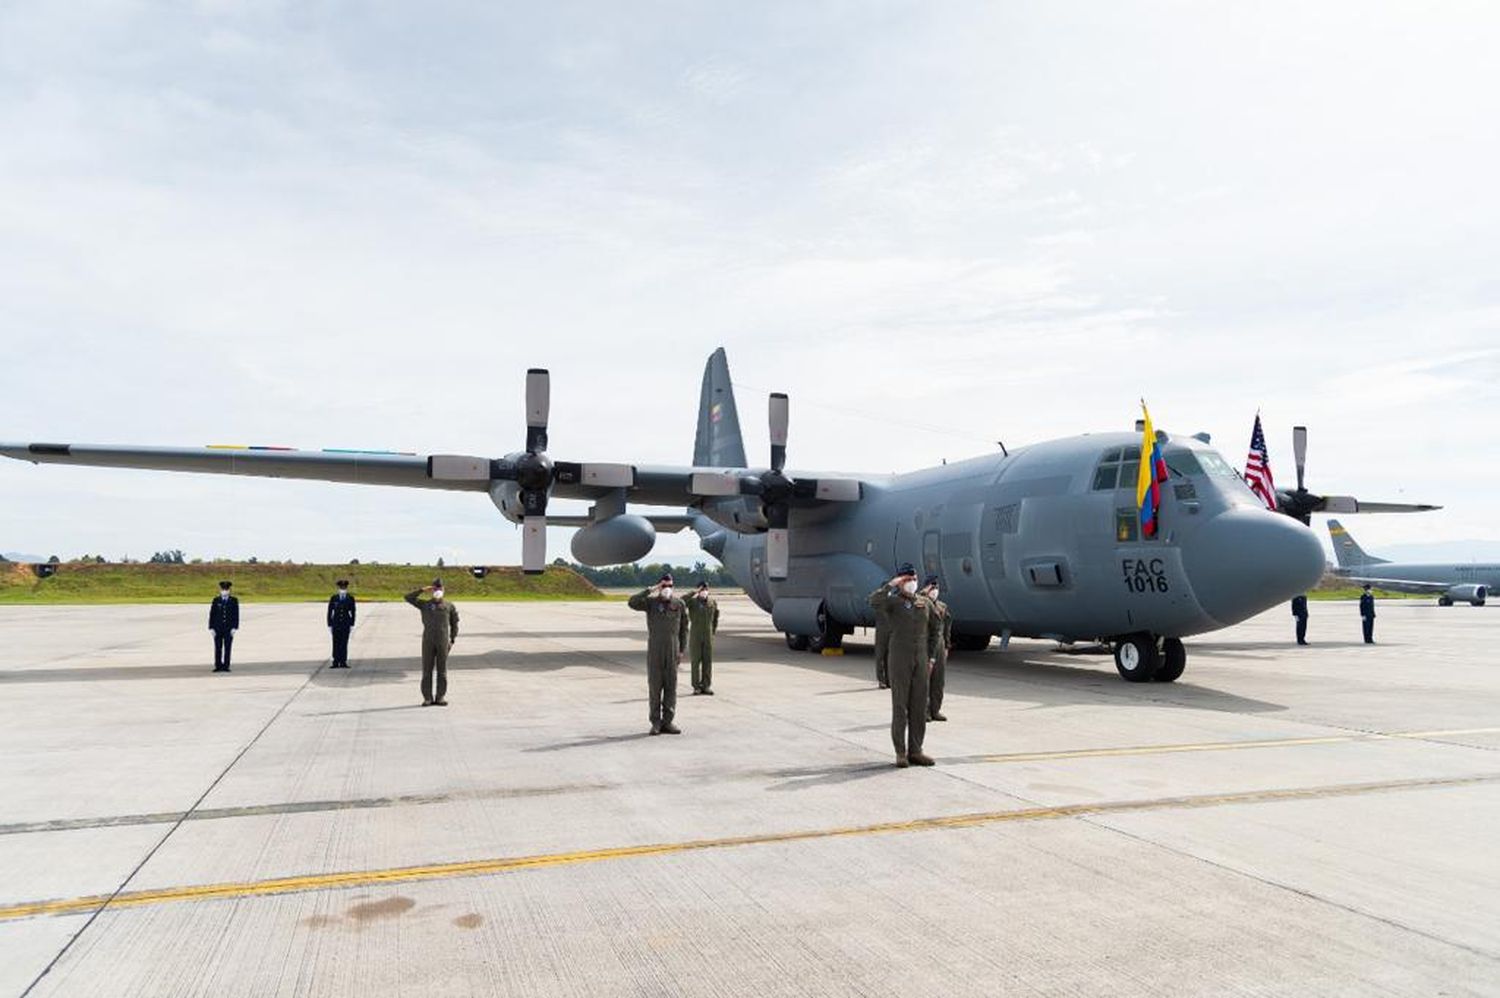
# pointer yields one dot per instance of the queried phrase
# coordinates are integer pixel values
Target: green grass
(95, 584)
(1354, 592)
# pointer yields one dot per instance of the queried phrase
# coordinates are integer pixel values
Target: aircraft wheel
(1479, 602)
(1444, 601)
(1173, 661)
(797, 642)
(970, 642)
(1136, 657)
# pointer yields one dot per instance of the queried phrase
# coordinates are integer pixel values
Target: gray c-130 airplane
(1451, 582)
(1041, 541)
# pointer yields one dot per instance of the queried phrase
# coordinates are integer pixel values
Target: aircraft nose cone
(1244, 561)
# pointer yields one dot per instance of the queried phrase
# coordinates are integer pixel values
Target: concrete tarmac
(1282, 821)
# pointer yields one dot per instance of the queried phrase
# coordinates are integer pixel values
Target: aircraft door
(998, 524)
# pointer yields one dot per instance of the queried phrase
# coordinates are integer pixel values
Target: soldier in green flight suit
(883, 640)
(703, 624)
(912, 650)
(439, 631)
(942, 622)
(667, 633)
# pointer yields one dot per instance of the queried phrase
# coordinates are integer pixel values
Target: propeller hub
(534, 472)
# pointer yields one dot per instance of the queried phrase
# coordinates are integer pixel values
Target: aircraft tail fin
(1347, 550)
(718, 443)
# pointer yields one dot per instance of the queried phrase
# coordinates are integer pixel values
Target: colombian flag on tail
(1153, 471)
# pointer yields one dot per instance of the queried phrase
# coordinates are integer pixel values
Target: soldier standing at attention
(341, 612)
(223, 620)
(439, 631)
(703, 624)
(666, 634)
(912, 650)
(1367, 614)
(941, 621)
(883, 629)
(1299, 611)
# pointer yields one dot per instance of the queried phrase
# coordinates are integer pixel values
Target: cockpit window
(1117, 469)
(1215, 465)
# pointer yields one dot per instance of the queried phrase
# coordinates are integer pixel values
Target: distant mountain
(1456, 551)
(30, 559)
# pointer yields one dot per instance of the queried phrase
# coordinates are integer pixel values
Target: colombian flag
(1153, 471)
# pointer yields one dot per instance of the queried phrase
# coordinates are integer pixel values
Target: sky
(934, 226)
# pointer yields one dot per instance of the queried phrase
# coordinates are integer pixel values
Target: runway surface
(1282, 821)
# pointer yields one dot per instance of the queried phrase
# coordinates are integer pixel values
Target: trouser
(908, 703)
(1369, 624)
(223, 641)
(882, 655)
(341, 646)
(935, 686)
(702, 648)
(1302, 630)
(661, 687)
(434, 662)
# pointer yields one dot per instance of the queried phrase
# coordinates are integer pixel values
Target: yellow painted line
(1262, 743)
(486, 867)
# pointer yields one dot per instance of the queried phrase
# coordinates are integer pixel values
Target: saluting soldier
(439, 631)
(912, 650)
(666, 634)
(703, 624)
(223, 620)
(1299, 612)
(341, 611)
(883, 629)
(941, 622)
(1367, 614)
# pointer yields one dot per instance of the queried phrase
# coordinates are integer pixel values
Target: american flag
(1258, 467)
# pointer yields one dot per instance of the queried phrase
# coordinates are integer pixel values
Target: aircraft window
(1215, 465)
(1111, 456)
(1129, 472)
(1125, 524)
(1183, 462)
(1105, 477)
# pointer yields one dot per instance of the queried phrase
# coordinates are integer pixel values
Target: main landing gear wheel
(1136, 657)
(1173, 661)
(797, 642)
(830, 633)
(970, 642)
(1445, 601)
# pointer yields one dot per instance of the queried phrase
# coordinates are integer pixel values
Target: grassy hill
(90, 583)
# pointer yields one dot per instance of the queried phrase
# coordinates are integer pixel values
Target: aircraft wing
(1400, 585)
(657, 485)
(353, 466)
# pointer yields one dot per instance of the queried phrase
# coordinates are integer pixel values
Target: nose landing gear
(1142, 658)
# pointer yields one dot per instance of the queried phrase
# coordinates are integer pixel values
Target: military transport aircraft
(1041, 541)
(1450, 583)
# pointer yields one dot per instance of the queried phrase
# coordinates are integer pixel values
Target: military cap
(931, 580)
(437, 583)
(665, 577)
(225, 584)
(907, 569)
(342, 583)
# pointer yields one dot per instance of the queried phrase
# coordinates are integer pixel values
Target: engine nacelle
(614, 541)
(1467, 593)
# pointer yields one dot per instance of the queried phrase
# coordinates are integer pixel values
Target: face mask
(703, 594)
(343, 592)
(933, 592)
(666, 592)
(909, 586)
(437, 594)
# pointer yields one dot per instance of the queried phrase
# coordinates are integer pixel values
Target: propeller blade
(1299, 448)
(714, 483)
(533, 545)
(458, 468)
(778, 553)
(538, 406)
(1393, 507)
(1338, 504)
(780, 415)
(837, 489)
